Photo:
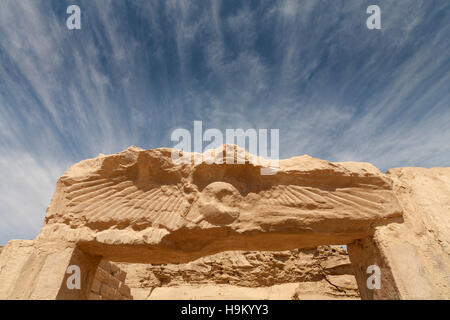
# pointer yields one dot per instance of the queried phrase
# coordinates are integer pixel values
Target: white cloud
(308, 68)
(26, 187)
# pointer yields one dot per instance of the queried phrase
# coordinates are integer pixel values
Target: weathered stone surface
(416, 248)
(138, 206)
(109, 283)
(94, 296)
(334, 287)
(37, 270)
(223, 292)
(325, 271)
(95, 288)
(245, 268)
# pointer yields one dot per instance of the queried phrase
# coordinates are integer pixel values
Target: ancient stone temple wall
(413, 252)
(321, 273)
(139, 206)
(39, 270)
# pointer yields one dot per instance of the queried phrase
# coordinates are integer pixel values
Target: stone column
(363, 254)
(413, 253)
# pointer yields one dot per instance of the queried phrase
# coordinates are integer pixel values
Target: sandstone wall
(138, 206)
(322, 273)
(413, 252)
(38, 270)
(109, 283)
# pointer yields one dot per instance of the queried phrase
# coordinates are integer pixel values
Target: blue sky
(139, 69)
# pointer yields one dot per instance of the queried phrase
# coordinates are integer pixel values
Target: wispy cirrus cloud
(139, 69)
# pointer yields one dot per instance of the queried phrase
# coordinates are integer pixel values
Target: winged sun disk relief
(122, 200)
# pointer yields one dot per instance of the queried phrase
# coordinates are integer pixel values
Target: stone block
(96, 284)
(103, 276)
(124, 290)
(107, 292)
(94, 296)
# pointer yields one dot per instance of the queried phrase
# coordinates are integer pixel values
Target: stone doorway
(321, 273)
(138, 206)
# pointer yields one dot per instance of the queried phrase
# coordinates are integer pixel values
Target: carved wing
(354, 201)
(118, 198)
(108, 202)
(310, 198)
